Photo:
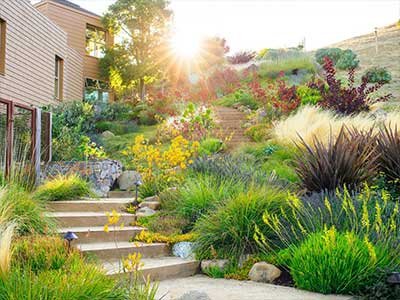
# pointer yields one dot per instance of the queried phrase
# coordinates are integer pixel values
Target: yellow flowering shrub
(155, 237)
(158, 161)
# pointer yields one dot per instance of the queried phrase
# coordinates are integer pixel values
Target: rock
(150, 204)
(183, 250)
(220, 263)
(107, 134)
(126, 181)
(152, 199)
(194, 295)
(264, 272)
(145, 212)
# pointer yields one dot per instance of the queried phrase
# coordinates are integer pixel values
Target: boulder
(126, 181)
(152, 199)
(107, 134)
(183, 250)
(194, 295)
(219, 263)
(145, 212)
(264, 272)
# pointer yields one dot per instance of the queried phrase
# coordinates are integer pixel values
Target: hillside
(388, 53)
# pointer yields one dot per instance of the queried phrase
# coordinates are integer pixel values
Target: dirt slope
(388, 53)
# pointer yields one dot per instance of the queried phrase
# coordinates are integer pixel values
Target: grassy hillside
(388, 53)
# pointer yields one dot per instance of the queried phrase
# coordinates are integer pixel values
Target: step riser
(121, 194)
(72, 221)
(101, 236)
(168, 272)
(149, 251)
(93, 207)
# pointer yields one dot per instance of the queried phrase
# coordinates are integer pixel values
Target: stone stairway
(229, 126)
(87, 217)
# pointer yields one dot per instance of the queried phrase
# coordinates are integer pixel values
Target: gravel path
(222, 289)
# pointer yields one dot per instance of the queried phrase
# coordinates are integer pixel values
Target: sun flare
(185, 45)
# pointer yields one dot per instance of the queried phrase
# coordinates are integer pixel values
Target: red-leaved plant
(348, 99)
(286, 99)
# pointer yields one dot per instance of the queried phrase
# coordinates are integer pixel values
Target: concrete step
(121, 194)
(159, 268)
(111, 251)
(96, 234)
(88, 219)
(93, 205)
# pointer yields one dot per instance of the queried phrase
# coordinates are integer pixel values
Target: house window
(3, 27)
(59, 78)
(95, 41)
(96, 91)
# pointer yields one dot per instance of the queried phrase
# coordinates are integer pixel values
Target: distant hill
(388, 53)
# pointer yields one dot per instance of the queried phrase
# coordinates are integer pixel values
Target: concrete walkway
(222, 289)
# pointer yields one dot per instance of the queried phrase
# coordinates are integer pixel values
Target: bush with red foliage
(241, 57)
(349, 99)
(257, 91)
(286, 99)
(226, 81)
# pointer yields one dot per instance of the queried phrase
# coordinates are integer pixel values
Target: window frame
(98, 50)
(58, 78)
(3, 45)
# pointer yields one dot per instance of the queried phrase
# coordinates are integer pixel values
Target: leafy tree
(212, 52)
(143, 27)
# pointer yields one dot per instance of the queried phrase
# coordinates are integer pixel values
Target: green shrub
(276, 159)
(211, 146)
(342, 59)
(203, 193)
(259, 132)
(228, 230)
(308, 95)
(377, 74)
(348, 60)
(332, 262)
(63, 187)
(17, 206)
(380, 288)
(239, 97)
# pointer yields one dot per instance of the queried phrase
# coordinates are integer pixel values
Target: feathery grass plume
(310, 122)
(6, 234)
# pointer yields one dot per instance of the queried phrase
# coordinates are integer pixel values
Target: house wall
(32, 42)
(74, 23)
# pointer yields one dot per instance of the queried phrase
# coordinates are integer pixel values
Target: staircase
(86, 218)
(229, 126)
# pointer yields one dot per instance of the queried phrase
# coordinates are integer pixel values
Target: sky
(257, 24)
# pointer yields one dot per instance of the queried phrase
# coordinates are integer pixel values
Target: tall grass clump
(389, 149)
(228, 230)
(6, 234)
(202, 193)
(63, 187)
(370, 214)
(333, 262)
(309, 122)
(17, 206)
(350, 158)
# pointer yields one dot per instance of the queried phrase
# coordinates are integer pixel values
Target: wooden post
(37, 145)
(10, 138)
(376, 40)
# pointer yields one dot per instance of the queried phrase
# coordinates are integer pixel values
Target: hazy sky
(258, 24)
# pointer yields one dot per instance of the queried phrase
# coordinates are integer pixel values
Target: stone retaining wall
(101, 173)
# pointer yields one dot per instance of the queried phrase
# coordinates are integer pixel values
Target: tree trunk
(142, 89)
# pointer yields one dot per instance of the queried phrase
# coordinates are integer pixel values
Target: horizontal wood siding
(74, 23)
(73, 80)
(33, 41)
